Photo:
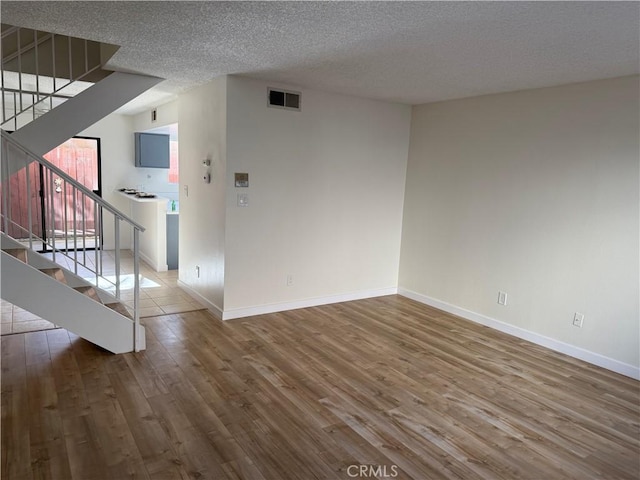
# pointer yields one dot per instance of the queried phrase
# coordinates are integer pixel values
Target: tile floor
(159, 295)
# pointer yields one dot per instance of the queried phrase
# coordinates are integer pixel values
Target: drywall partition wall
(152, 214)
(535, 194)
(326, 187)
(202, 119)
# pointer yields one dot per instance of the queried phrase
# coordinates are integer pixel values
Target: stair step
(120, 308)
(89, 292)
(56, 273)
(19, 253)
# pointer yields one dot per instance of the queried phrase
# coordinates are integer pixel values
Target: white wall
(202, 119)
(534, 193)
(326, 195)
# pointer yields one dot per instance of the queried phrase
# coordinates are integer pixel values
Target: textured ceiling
(410, 52)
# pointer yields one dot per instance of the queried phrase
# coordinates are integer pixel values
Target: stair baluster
(22, 67)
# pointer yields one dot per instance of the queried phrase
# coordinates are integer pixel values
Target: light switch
(243, 200)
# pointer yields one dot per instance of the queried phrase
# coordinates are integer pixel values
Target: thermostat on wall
(242, 179)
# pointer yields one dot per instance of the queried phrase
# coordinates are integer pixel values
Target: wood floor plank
(312, 394)
(46, 433)
(16, 452)
(150, 437)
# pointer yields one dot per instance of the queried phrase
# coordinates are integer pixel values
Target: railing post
(53, 60)
(27, 169)
(95, 240)
(75, 230)
(99, 238)
(35, 43)
(66, 220)
(98, 261)
(53, 215)
(136, 291)
(19, 69)
(86, 56)
(70, 61)
(84, 230)
(116, 230)
(15, 112)
(4, 115)
(6, 208)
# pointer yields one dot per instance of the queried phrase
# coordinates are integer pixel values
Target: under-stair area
(44, 288)
(160, 295)
(53, 87)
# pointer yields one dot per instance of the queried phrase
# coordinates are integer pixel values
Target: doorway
(70, 221)
(74, 225)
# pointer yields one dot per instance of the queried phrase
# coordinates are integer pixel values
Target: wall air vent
(288, 100)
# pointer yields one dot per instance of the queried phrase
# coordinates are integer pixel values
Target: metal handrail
(71, 180)
(47, 208)
(57, 94)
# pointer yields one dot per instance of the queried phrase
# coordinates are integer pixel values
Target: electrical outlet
(197, 271)
(289, 280)
(502, 298)
(578, 318)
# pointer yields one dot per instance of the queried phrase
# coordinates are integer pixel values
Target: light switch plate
(243, 200)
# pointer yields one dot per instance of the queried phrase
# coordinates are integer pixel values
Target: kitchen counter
(151, 213)
(143, 200)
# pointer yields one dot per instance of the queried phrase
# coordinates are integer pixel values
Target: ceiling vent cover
(286, 99)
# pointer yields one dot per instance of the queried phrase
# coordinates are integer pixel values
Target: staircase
(43, 287)
(48, 96)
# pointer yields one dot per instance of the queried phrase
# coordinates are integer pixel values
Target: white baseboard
(213, 308)
(558, 346)
(309, 302)
(152, 264)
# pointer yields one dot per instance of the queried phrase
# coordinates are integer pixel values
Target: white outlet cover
(243, 200)
(502, 298)
(578, 319)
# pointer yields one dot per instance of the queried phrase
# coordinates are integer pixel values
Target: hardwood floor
(385, 383)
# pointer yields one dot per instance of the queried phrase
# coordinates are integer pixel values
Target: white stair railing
(41, 70)
(34, 210)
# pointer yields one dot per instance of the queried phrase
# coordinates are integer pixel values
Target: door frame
(98, 192)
